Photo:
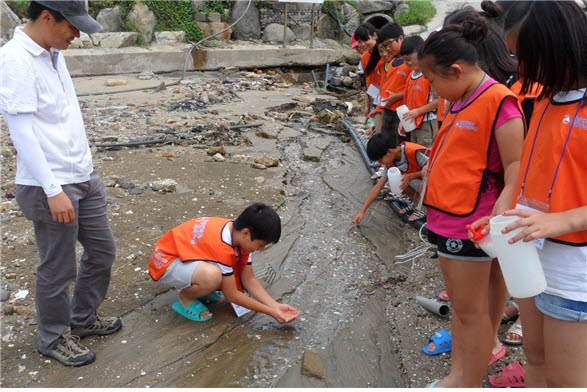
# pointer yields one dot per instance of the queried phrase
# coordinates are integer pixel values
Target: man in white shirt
(57, 186)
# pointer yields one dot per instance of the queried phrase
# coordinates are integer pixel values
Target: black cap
(75, 13)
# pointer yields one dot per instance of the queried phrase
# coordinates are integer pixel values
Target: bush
(421, 11)
(19, 7)
(175, 16)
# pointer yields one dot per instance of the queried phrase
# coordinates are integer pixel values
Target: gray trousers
(58, 265)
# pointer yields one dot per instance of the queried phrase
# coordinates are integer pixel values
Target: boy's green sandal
(192, 311)
(213, 296)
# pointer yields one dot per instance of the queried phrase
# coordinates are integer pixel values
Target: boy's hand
(373, 113)
(358, 218)
(285, 313)
(412, 114)
(406, 178)
(401, 130)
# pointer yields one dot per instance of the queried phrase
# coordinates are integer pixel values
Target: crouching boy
(207, 254)
(408, 157)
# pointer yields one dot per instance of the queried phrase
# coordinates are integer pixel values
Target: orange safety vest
(517, 87)
(364, 61)
(417, 95)
(569, 190)
(458, 170)
(197, 239)
(395, 81)
(441, 108)
(410, 150)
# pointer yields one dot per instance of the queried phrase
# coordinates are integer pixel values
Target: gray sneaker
(102, 326)
(68, 351)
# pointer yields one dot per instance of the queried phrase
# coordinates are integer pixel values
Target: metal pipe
(285, 29)
(313, 23)
(133, 143)
(326, 77)
(315, 80)
(257, 124)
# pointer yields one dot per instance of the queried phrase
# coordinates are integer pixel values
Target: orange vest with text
(417, 95)
(570, 186)
(197, 239)
(395, 81)
(458, 170)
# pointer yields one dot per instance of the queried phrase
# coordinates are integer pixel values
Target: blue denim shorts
(561, 308)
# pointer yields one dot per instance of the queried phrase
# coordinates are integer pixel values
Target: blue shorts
(561, 308)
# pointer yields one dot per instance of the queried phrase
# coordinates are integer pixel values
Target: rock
(259, 166)
(259, 180)
(327, 27)
(218, 158)
(115, 82)
(147, 75)
(8, 21)
(312, 153)
(7, 152)
(170, 37)
(325, 116)
(312, 365)
(11, 286)
(267, 161)
(110, 19)
(402, 8)
(335, 81)
(249, 27)
(126, 185)
(200, 17)
(4, 295)
(303, 32)
(217, 150)
(143, 19)
(372, 6)
(211, 28)
(8, 310)
(83, 42)
(23, 310)
(11, 275)
(136, 191)
(198, 5)
(351, 17)
(265, 134)
(167, 154)
(214, 17)
(115, 40)
(164, 186)
(274, 33)
(239, 159)
(347, 81)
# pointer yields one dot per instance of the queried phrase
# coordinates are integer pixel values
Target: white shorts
(179, 275)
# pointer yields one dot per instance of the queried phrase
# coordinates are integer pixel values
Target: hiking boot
(68, 351)
(102, 326)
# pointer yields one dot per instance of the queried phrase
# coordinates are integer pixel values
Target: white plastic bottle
(408, 125)
(519, 261)
(394, 178)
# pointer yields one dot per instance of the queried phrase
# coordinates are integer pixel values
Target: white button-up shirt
(55, 150)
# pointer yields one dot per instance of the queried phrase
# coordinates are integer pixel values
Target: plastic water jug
(484, 241)
(408, 125)
(519, 262)
(394, 178)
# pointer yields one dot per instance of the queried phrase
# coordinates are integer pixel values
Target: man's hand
(61, 208)
(285, 313)
(412, 114)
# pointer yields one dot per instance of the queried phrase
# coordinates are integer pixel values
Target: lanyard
(453, 120)
(562, 153)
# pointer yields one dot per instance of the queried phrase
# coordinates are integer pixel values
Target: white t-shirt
(53, 150)
(565, 266)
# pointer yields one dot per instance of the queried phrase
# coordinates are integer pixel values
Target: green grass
(421, 11)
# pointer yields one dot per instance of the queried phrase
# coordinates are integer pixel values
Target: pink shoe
(512, 376)
(498, 356)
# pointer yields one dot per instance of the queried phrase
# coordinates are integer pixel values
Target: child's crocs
(214, 296)
(512, 376)
(442, 341)
(192, 311)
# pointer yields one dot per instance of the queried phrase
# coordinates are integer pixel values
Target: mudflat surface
(358, 309)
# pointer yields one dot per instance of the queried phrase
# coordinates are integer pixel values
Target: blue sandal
(192, 312)
(214, 296)
(442, 341)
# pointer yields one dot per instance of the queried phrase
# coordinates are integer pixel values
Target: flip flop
(513, 376)
(443, 296)
(505, 318)
(192, 312)
(515, 329)
(442, 341)
(420, 214)
(214, 296)
(496, 357)
(433, 385)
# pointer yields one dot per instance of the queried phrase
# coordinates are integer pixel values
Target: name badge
(373, 91)
(240, 310)
(525, 203)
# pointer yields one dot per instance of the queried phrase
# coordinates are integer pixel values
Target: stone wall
(300, 13)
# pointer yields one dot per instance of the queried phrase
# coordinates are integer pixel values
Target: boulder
(143, 19)
(267, 161)
(274, 33)
(200, 17)
(214, 17)
(209, 29)
(83, 42)
(352, 18)
(170, 37)
(110, 19)
(312, 365)
(8, 21)
(372, 6)
(303, 32)
(164, 186)
(198, 5)
(401, 9)
(115, 40)
(249, 27)
(327, 28)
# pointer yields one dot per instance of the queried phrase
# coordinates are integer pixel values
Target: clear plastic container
(408, 125)
(394, 178)
(483, 240)
(519, 262)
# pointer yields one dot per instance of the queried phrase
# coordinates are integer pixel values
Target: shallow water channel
(328, 270)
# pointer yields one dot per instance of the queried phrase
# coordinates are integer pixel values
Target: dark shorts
(454, 248)
(389, 125)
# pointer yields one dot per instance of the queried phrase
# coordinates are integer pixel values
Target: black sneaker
(69, 352)
(102, 326)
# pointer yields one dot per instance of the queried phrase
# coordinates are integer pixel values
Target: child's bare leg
(206, 279)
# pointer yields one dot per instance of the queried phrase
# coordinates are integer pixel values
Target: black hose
(359, 146)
